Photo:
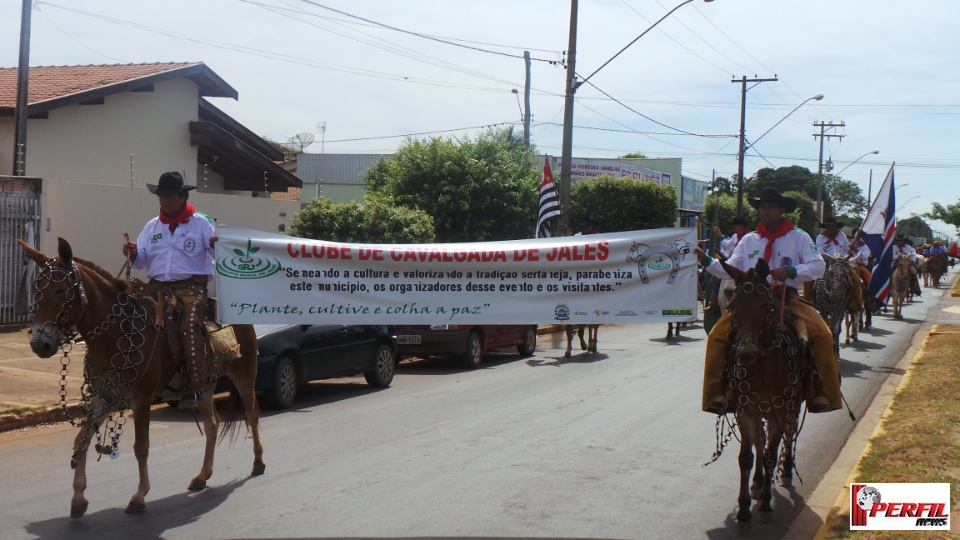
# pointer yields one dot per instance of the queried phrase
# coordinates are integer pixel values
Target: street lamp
(744, 147)
(856, 160)
(908, 200)
(571, 88)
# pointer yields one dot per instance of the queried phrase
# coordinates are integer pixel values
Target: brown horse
(127, 366)
(900, 283)
(855, 306)
(934, 266)
(590, 345)
(764, 387)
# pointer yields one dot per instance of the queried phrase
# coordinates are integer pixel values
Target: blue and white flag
(877, 233)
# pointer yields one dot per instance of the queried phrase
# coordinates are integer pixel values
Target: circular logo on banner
(246, 266)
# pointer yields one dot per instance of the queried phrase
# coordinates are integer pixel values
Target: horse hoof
(258, 469)
(197, 484)
(135, 507)
(566, 355)
(78, 510)
(744, 515)
(786, 482)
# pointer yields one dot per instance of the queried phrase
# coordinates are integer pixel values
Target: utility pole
(823, 126)
(743, 148)
(526, 103)
(567, 146)
(23, 78)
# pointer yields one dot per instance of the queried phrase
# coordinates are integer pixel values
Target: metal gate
(19, 219)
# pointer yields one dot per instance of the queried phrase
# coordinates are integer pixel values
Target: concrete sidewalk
(30, 386)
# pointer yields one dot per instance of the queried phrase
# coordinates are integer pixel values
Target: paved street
(609, 445)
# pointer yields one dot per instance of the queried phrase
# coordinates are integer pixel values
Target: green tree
(726, 186)
(634, 155)
(914, 227)
(373, 221)
(805, 216)
(947, 214)
(846, 197)
(623, 204)
(792, 178)
(475, 190)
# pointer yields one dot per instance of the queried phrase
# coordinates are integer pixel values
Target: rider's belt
(192, 280)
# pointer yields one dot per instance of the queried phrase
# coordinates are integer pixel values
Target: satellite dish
(300, 141)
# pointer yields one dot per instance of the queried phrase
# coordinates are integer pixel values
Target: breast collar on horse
(775, 318)
(124, 363)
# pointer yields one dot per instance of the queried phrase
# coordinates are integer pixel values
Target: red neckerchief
(782, 229)
(183, 217)
(831, 237)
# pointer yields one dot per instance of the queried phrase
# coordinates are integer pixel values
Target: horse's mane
(109, 279)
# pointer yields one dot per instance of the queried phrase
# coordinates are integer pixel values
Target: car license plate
(408, 340)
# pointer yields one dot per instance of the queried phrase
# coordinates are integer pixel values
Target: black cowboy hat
(170, 183)
(831, 222)
(899, 237)
(773, 195)
(739, 221)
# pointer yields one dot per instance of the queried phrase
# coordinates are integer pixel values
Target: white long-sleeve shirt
(794, 249)
(827, 247)
(861, 254)
(906, 250)
(727, 244)
(179, 255)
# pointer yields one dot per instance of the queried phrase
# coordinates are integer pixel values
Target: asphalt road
(608, 445)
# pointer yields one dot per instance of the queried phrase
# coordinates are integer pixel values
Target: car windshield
(262, 329)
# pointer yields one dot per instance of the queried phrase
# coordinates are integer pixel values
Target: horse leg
(747, 434)
(243, 373)
(583, 344)
(211, 421)
(79, 503)
(592, 336)
(569, 330)
(669, 331)
(141, 449)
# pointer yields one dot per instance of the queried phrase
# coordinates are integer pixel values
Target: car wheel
(474, 353)
(283, 387)
(384, 366)
(529, 344)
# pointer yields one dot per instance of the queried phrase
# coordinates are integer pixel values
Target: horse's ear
(33, 254)
(65, 251)
(763, 269)
(732, 271)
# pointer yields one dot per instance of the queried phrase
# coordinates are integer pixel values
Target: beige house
(96, 135)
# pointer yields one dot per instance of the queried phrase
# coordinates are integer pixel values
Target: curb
(842, 503)
(50, 415)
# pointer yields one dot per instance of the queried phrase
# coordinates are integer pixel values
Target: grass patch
(10, 409)
(919, 436)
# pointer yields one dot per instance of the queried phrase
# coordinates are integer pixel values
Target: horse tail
(231, 412)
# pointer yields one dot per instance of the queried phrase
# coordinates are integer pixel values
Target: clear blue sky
(887, 69)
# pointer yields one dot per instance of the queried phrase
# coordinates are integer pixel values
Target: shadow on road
(576, 358)
(787, 503)
(161, 516)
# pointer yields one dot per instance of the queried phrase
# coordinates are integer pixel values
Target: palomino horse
(831, 295)
(764, 387)
(127, 366)
(855, 307)
(934, 267)
(590, 345)
(900, 283)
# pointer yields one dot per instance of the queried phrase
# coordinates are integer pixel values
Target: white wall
(93, 217)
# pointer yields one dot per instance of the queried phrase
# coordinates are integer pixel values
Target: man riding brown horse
(794, 259)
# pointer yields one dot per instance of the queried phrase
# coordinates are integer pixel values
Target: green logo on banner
(246, 266)
(660, 263)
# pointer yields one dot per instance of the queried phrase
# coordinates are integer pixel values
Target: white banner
(626, 277)
(581, 168)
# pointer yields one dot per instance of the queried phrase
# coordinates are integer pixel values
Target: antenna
(300, 141)
(322, 126)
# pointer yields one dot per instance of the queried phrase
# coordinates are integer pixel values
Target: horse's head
(58, 298)
(751, 309)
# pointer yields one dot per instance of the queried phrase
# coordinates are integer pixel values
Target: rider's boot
(715, 372)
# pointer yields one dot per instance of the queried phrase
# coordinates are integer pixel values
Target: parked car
(468, 342)
(291, 355)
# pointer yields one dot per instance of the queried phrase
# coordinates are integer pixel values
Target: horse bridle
(55, 273)
(761, 289)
